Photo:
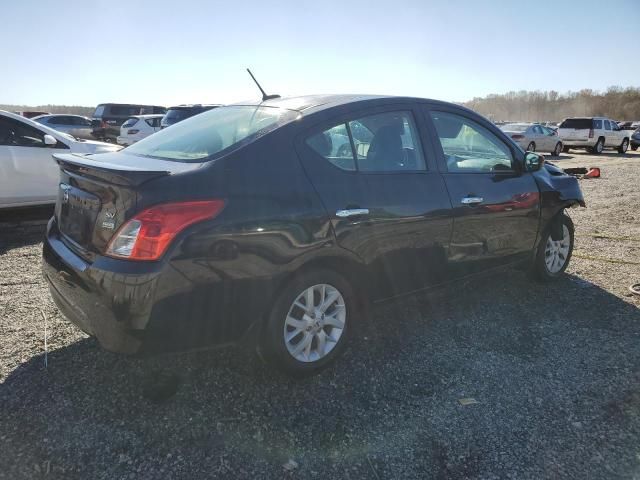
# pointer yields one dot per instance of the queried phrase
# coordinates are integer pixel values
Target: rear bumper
(124, 141)
(111, 306)
(151, 307)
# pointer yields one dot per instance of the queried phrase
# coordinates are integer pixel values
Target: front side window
(469, 147)
(198, 138)
(385, 142)
(18, 134)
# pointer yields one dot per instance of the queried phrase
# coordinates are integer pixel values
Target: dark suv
(181, 112)
(276, 223)
(109, 117)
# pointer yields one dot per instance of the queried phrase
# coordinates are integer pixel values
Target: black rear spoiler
(120, 168)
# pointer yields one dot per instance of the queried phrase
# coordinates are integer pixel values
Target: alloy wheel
(625, 145)
(599, 146)
(557, 251)
(531, 147)
(315, 322)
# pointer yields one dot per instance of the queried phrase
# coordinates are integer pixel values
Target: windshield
(205, 135)
(514, 127)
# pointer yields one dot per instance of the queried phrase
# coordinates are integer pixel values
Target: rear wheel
(531, 147)
(557, 150)
(634, 147)
(552, 257)
(624, 146)
(598, 147)
(310, 323)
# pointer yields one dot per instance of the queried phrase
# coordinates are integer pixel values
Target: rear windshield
(99, 111)
(175, 115)
(130, 122)
(578, 123)
(203, 136)
(514, 127)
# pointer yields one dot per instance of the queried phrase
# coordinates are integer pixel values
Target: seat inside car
(386, 151)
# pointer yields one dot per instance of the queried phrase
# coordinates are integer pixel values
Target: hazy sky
(180, 51)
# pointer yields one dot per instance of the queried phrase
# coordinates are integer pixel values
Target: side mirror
(533, 162)
(49, 140)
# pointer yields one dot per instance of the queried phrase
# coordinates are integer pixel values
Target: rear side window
(199, 138)
(153, 122)
(130, 122)
(334, 145)
(537, 129)
(578, 123)
(597, 124)
(124, 110)
(469, 147)
(385, 142)
(607, 125)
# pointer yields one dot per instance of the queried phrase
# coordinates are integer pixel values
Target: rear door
(28, 173)
(542, 143)
(387, 202)
(495, 205)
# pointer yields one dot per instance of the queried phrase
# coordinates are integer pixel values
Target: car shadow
(557, 157)
(22, 227)
(414, 355)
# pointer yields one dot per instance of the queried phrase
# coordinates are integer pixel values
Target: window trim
(517, 154)
(408, 108)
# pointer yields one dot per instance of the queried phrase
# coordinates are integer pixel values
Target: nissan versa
(277, 222)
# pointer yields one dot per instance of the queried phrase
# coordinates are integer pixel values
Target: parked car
(241, 224)
(593, 134)
(28, 173)
(76, 125)
(31, 113)
(181, 112)
(635, 139)
(138, 127)
(109, 117)
(534, 137)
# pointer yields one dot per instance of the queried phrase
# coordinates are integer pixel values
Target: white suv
(593, 133)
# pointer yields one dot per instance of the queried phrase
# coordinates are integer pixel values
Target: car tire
(566, 149)
(531, 147)
(556, 152)
(624, 146)
(598, 147)
(634, 147)
(300, 354)
(552, 257)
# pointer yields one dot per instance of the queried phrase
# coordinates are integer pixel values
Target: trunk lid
(98, 193)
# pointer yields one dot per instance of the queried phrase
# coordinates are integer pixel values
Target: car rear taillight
(517, 137)
(147, 235)
(591, 133)
(132, 131)
(104, 124)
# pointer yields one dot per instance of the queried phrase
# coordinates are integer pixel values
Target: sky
(78, 52)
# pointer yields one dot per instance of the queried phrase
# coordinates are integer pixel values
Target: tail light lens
(591, 133)
(133, 131)
(517, 137)
(147, 235)
(104, 124)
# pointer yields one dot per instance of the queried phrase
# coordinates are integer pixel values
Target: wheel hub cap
(315, 322)
(557, 251)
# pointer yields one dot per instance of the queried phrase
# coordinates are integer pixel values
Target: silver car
(76, 125)
(534, 137)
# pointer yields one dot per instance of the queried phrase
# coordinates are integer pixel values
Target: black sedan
(277, 223)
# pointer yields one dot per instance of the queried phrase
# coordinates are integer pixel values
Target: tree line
(616, 102)
(70, 109)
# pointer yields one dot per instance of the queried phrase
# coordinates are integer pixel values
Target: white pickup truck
(593, 133)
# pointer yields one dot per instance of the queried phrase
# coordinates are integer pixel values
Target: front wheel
(624, 146)
(309, 323)
(552, 257)
(556, 152)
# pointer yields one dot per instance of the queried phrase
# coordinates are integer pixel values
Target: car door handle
(353, 212)
(471, 200)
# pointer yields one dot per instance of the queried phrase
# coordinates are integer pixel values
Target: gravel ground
(502, 378)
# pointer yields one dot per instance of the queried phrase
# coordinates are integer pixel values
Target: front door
(387, 202)
(495, 204)
(28, 173)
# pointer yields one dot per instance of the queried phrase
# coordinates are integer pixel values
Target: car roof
(51, 115)
(194, 105)
(307, 104)
(151, 115)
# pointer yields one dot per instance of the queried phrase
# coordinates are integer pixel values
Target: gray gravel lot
(555, 372)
